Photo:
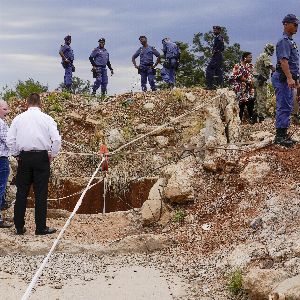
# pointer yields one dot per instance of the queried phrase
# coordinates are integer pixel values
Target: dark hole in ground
(92, 203)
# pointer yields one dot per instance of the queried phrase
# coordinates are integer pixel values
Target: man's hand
(112, 72)
(50, 157)
(291, 83)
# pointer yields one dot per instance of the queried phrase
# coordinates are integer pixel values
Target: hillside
(196, 197)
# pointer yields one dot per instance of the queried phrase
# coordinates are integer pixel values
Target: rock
(179, 187)
(260, 283)
(115, 139)
(290, 288)
(255, 171)
(75, 116)
(161, 140)
(190, 96)
(152, 211)
(156, 191)
(261, 135)
(92, 122)
(57, 213)
(140, 243)
(149, 106)
(256, 223)
(245, 253)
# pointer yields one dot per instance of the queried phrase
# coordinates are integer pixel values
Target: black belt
(3, 157)
(34, 151)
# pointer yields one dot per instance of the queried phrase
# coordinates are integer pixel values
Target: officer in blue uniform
(214, 72)
(146, 68)
(99, 59)
(172, 55)
(285, 79)
(67, 55)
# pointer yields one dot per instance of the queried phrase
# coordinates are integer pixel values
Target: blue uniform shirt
(218, 46)
(100, 56)
(287, 48)
(67, 51)
(170, 50)
(146, 55)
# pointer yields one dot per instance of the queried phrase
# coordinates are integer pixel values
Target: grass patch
(235, 284)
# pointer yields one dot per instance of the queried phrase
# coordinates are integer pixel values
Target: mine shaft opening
(133, 196)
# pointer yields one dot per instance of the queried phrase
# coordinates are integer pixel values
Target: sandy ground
(127, 283)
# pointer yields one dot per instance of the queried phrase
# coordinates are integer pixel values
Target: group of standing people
(250, 82)
(100, 61)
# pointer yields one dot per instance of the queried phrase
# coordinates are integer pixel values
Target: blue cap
(290, 18)
(101, 40)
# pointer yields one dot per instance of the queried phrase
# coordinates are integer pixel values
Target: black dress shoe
(5, 225)
(47, 230)
(21, 231)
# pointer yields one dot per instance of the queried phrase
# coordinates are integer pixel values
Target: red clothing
(244, 89)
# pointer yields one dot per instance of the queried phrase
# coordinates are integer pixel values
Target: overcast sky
(31, 32)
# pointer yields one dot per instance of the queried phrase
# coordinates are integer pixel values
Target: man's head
(34, 100)
(68, 39)
(216, 30)
(247, 57)
(143, 40)
(290, 23)
(4, 110)
(269, 49)
(101, 42)
(165, 40)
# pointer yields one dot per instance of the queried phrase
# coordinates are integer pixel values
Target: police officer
(286, 79)
(67, 55)
(214, 72)
(99, 59)
(146, 68)
(172, 55)
(263, 66)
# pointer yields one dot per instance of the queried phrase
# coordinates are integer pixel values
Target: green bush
(7, 94)
(25, 88)
(235, 284)
(179, 216)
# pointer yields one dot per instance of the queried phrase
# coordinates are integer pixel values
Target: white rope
(104, 192)
(40, 269)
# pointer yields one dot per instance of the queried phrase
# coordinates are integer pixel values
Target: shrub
(236, 282)
(7, 93)
(25, 88)
(179, 216)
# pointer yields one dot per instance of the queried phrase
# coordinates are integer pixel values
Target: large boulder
(255, 171)
(259, 283)
(179, 188)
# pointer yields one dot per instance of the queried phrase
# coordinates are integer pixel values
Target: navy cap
(67, 38)
(102, 40)
(217, 27)
(290, 18)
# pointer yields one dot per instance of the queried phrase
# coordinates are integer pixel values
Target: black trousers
(250, 108)
(33, 169)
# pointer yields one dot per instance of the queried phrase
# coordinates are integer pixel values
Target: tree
(194, 59)
(79, 86)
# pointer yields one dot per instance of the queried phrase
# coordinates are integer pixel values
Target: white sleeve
(55, 138)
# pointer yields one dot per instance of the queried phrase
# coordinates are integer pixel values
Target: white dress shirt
(33, 130)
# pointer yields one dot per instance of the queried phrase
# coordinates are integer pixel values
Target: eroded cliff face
(202, 193)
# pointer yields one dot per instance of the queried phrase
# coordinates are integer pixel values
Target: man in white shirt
(33, 137)
(4, 163)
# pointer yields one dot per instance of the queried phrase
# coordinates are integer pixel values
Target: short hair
(245, 54)
(142, 37)
(34, 99)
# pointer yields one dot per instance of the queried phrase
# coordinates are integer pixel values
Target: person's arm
(55, 138)
(11, 139)
(284, 63)
(156, 53)
(92, 60)
(61, 53)
(134, 56)
(110, 67)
